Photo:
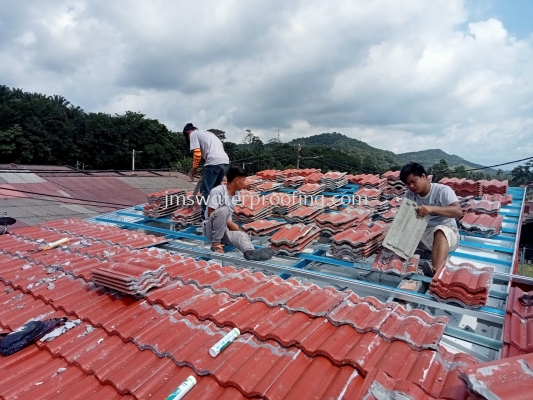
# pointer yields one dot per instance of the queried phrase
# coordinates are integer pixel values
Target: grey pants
(216, 230)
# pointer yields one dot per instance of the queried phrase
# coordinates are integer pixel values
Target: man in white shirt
(209, 147)
(441, 203)
(218, 226)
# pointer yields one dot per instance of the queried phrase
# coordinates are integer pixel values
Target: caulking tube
(182, 389)
(224, 342)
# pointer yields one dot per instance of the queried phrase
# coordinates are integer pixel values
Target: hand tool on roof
(50, 245)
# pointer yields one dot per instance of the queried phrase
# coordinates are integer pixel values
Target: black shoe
(427, 269)
(260, 254)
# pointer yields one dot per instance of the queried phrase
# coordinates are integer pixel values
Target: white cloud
(402, 76)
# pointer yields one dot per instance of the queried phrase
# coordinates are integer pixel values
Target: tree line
(48, 130)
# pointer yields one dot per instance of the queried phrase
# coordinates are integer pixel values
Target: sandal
(217, 248)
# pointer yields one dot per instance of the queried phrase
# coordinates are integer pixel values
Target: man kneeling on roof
(441, 203)
(218, 226)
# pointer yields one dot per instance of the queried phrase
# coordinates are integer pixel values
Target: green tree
(523, 174)
(459, 172)
(218, 133)
(439, 170)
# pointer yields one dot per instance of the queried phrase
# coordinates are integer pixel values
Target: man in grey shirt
(441, 203)
(206, 145)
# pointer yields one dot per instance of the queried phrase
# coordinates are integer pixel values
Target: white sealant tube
(224, 342)
(182, 389)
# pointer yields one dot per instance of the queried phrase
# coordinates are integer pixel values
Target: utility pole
(133, 162)
(298, 156)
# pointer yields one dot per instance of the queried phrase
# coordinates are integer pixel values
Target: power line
(498, 165)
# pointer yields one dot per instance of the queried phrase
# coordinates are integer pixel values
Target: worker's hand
(232, 226)
(422, 211)
(192, 172)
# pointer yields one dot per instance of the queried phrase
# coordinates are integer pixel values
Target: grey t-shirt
(211, 147)
(220, 197)
(439, 195)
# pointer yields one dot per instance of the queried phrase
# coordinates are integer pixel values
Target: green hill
(432, 156)
(373, 156)
(368, 155)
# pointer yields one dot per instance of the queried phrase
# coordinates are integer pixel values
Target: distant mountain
(367, 154)
(429, 157)
(375, 156)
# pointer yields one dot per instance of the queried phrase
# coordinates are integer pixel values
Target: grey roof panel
(406, 231)
(155, 184)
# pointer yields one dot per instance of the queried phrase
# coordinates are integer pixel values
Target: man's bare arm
(454, 210)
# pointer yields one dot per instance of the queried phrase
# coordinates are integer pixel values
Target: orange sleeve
(197, 156)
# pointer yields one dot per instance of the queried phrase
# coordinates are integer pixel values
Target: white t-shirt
(439, 195)
(211, 147)
(220, 197)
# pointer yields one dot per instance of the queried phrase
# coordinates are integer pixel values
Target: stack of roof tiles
(268, 174)
(292, 239)
(386, 216)
(463, 187)
(262, 227)
(390, 263)
(269, 186)
(187, 215)
(467, 187)
(357, 243)
(287, 173)
(494, 186)
(335, 222)
(370, 204)
(310, 189)
(369, 180)
(395, 202)
(283, 203)
(293, 181)
(334, 180)
(249, 211)
(463, 284)
(504, 200)
(164, 202)
(395, 187)
(464, 201)
(482, 207)
(368, 193)
(306, 171)
(315, 177)
(330, 203)
(298, 340)
(304, 214)
(134, 278)
(518, 326)
(485, 224)
(252, 182)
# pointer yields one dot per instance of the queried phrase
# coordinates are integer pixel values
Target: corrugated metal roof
(153, 184)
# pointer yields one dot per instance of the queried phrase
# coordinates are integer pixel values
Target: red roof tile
(510, 378)
(387, 261)
(299, 341)
(463, 283)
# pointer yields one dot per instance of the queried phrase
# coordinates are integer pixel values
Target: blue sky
(516, 15)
